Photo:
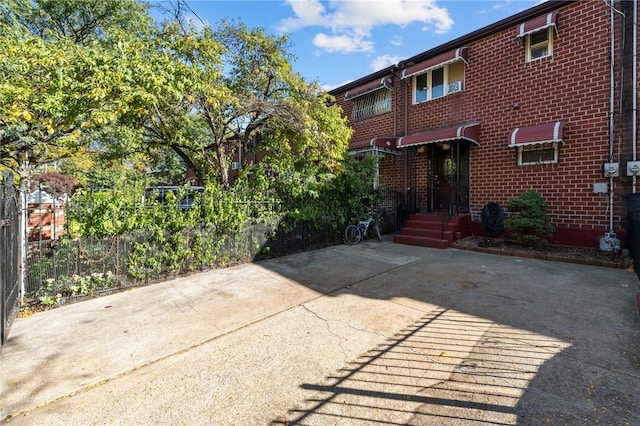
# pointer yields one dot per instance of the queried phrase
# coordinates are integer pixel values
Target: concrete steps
(433, 230)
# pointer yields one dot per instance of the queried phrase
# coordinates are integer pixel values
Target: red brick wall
(572, 86)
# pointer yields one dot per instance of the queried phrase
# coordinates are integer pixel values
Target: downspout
(635, 85)
(611, 113)
(610, 242)
(405, 120)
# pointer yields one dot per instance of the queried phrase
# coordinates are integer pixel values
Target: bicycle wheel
(352, 234)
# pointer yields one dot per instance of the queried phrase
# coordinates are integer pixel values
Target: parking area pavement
(377, 333)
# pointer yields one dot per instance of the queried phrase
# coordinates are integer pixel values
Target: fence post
(23, 236)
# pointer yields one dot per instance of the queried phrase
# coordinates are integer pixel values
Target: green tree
(240, 93)
(530, 224)
(60, 75)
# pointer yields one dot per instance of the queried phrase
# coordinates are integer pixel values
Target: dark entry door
(449, 177)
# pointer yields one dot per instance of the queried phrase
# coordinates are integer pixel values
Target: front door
(448, 183)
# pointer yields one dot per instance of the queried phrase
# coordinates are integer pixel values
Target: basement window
(544, 153)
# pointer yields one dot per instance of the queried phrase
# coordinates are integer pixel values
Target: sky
(339, 41)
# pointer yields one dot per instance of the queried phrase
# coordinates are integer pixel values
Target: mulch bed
(557, 253)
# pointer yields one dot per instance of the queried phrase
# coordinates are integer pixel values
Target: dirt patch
(558, 253)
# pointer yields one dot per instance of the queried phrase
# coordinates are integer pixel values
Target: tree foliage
(80, 77)
(60, 75)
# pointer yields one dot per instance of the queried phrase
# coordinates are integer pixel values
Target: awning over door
(469, 132)
(440, 60)
(542, 133)
(539, 23)
(385, 145)
(372, 86)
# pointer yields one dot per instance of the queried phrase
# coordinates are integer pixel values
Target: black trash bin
(633, 226)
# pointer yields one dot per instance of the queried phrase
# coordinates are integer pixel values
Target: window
(540, 44)
(544, 153)
(371, 104)
(438, 82)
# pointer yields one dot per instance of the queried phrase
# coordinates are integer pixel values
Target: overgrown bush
(142, 240)
(529, 222)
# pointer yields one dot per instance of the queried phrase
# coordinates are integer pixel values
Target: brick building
(530, 102)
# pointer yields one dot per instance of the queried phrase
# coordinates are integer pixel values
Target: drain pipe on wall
(609, 242)
(634, 119)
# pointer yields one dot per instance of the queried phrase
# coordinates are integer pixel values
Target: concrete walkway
(377, 333)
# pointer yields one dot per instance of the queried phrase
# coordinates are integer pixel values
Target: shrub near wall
(530, 224)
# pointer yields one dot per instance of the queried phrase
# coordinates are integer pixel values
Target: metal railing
(142, 256)
(9, 254)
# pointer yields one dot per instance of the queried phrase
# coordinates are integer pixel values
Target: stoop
(435, 230)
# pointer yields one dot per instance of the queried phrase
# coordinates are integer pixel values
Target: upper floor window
(438, 82)
(540, 44)
(537, 35)
(370, 99)
(371, 104)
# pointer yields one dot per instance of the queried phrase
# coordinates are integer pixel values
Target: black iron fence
(82, 266)
(9, 254)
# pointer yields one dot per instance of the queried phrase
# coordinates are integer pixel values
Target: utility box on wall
(600, 188)
(633, 168)
(611, 170)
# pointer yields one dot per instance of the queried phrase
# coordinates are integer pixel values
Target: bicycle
(355, 233)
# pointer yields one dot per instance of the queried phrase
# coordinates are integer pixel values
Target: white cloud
(309, 13)
(345, 43)
(384, 61)
(351, 22)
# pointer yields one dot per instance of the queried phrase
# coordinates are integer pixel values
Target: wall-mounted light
(446, 146)
(422, 149)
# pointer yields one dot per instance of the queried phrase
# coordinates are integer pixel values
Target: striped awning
(461, 53)
(539, 23)
(384, 82)
(385, 145)
(468, 132)
(532, 135)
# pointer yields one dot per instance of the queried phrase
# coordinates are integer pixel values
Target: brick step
(436, 218)
(427, 224)
(413, 240)
(428, 232)
(425, 229)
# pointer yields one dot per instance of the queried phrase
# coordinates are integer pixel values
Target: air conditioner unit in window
(455, 87)
(235, 165)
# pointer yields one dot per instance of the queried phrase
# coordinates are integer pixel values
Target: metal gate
(9, 254)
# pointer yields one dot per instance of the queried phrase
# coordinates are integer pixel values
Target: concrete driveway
(377, 333)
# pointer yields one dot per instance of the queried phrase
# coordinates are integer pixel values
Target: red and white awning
(385, 145)
(539, 23)
(469, 132)
(461, 53)
(384, 82)
(532, 135)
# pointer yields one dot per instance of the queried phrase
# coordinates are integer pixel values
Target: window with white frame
(543, 153)
(539, 44)
(438, 82)
(371, 104)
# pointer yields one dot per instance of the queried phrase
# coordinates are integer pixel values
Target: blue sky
(336, 42)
